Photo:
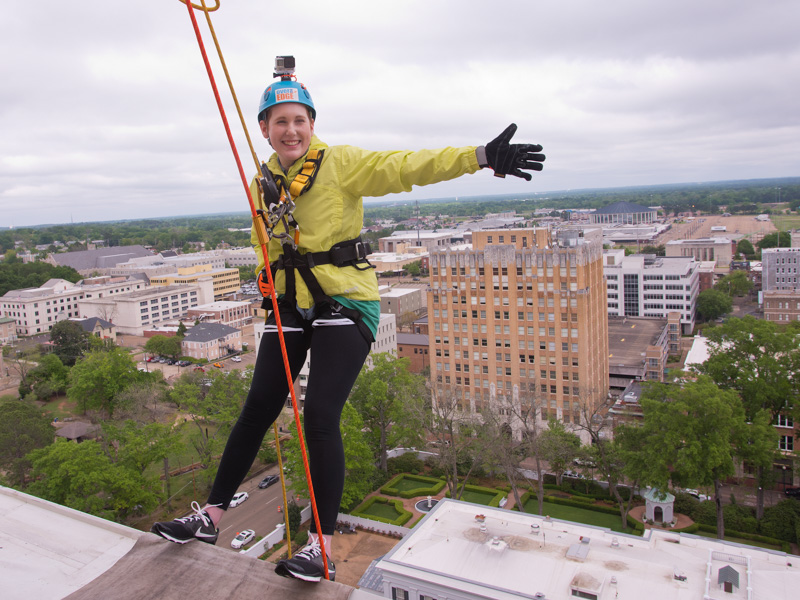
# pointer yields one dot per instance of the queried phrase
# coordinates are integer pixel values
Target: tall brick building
(520, 315)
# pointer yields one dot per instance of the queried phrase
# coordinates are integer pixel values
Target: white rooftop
(517, 555)
(50, 551)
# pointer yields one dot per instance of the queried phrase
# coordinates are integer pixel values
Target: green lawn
(407, 483)
(786, 222)
(478, 497)
(382, 510)
(578, 515)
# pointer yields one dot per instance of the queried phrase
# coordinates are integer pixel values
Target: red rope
(269, 277)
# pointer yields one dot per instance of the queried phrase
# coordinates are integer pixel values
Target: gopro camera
(284, 66)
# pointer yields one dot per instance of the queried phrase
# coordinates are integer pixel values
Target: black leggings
(337, 354)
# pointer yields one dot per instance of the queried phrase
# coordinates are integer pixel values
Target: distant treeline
(749, 197)
(161, 234)
(16, 276)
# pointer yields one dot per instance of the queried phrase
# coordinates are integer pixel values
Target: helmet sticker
(286, 95)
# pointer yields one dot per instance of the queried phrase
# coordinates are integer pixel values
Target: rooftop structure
(625, 213)
(100, 260)
(507, 555)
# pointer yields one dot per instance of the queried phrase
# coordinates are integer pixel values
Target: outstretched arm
(510, 159)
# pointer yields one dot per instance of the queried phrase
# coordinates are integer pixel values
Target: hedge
(403, 514)
(431, 486)
(753, 537)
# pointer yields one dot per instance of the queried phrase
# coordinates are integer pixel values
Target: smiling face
(289, 129)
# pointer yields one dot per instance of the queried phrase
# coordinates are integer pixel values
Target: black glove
(508, 159)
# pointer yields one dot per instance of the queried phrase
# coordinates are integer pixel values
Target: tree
(83, 477)
(49, 378)
(164, 345)
(610, 456)
(692, 433)
(759, 360)
(558, 447)
(736, 283)
(414, 268)
(23, 428)
(142, 401)
(181, 333)
(745, 247)
(774, 240)
(213, 409)
(453, 431)
(70, 341)
(712, 304)
(379, 395)
(359, 466)
(96, 379)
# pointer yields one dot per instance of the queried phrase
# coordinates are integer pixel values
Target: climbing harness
(262, 237)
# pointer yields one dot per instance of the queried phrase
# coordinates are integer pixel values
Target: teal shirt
(370, 311)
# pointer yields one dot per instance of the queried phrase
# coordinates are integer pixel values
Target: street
(259, 512)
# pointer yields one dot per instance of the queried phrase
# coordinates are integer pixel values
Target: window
(399, 594)
(786, 443)
(785, 421)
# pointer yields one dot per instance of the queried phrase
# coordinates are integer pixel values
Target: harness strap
(350, 253)
(292, 259)
(305, 178)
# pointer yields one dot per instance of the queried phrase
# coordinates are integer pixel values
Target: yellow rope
(206, 11)
(230, 83)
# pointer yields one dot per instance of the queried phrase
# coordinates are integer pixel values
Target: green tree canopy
(712, 304)
(49, 378)
(23, 428)
(83, 477)
(692, 431)
(746, 248)
(772, 240)
(70, 341)
(736, 283)
(98, 377)
(380, 395)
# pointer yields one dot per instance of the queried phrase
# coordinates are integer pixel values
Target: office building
(645, 285)
(779, 269)
(520, 316)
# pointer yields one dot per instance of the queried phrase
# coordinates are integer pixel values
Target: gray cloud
(106, 112)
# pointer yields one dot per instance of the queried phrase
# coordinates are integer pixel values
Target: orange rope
(274, 297)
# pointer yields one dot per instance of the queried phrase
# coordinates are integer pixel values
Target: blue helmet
(285, 90)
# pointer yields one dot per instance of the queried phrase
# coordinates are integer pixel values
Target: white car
(243, 538)
(238, 499)
(236, 359)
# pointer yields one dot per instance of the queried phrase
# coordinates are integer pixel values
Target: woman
(329, 302)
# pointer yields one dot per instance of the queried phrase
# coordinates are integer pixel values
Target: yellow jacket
(332, 210)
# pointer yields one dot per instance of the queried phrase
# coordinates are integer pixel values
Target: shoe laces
(198, 514)
(311, 551)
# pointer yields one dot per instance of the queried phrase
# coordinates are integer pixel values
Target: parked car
(268, 481)
(201, 369)
(237, 359)
(218, 365)
(238, 498)
(792, 492)
(243, 538)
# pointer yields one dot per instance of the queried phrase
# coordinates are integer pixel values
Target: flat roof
(628, 339)
(49, 552)
(517, 555)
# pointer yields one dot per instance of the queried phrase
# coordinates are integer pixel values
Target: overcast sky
(106, 111)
